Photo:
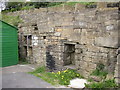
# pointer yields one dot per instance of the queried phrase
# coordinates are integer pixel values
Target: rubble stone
(90, 31)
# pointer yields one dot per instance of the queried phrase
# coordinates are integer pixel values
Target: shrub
(102, 85)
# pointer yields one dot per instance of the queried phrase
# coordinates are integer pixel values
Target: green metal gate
(9, 45)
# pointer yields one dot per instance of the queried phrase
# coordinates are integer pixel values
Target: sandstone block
(107, 42)
(80, 24)
(109, 27)
(78, 7)
(57, 34)
(59, 30)
(96, 78)
(68, 8)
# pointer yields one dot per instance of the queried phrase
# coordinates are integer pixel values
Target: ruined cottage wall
(94, 33)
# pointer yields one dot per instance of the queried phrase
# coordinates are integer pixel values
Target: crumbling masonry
(70, 36)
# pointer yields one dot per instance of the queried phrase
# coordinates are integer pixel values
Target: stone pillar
(117, 69)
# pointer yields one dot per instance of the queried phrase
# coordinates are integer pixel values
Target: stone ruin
(71, 36)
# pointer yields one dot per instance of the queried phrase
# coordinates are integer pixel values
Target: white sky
(2, 6)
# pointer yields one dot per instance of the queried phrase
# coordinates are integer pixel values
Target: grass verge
(56, 78)
(64, 77)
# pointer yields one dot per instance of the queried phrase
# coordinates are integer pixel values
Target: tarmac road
(17, 77)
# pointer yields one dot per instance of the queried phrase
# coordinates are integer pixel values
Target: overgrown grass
(102, 85)
(13, 20)
(60, 77)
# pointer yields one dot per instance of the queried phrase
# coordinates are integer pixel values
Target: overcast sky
(2, 6)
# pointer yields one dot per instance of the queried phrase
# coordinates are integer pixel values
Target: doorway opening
(69, 54)
(25, 51)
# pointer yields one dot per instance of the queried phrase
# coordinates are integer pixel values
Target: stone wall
(93, 32)
(117, 68)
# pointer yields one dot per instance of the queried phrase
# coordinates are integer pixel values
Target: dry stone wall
(93, 33)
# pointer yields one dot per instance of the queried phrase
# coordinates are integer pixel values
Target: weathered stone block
(107, 42)
(109, 27)
(93, 30)
(59, 30)
(56, 9)
(68, 8)
(117, 70)
(77, 46)
(57, 34)
(78, 7)
(96, 78)
(80, 24)
(79, 16)
(110, 76)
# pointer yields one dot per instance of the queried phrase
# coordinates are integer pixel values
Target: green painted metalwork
(9, 45)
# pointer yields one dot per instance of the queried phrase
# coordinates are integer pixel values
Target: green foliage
(38, 4)
(100, 66)
(13, 6)
(90, 80)
(102, 85)
(60, 77)
(99, 71)
(87, 3)
(39, 70)
(65, 76)
(27, 7)
(73, 3)
(13, 20)
(54, 4)
(16, 6)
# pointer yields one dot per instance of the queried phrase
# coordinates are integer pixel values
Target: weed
(102, 85)
(40, 70)
(99, 71)
(60, 77)
(90, 80)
